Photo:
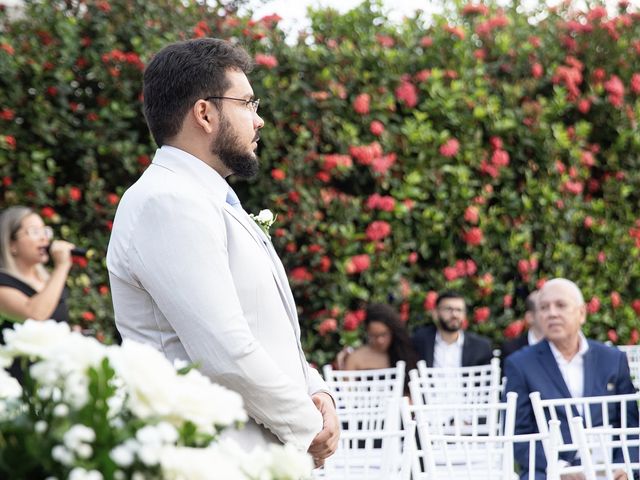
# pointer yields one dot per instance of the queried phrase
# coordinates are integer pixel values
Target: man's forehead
(554, 293)
(238, 82)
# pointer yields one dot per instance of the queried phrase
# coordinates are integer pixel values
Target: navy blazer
(476, 350)
(534, 369)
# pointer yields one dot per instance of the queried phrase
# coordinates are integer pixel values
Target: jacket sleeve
(180, 257)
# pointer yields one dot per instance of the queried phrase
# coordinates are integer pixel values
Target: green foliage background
(547, 157)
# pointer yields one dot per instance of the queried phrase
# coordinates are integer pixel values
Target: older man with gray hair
(565, 364)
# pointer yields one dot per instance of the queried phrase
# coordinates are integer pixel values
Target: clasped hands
(326, 441)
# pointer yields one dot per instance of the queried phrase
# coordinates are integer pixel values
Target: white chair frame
(633, 358)
(478, 384)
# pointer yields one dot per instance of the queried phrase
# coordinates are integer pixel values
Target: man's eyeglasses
(451, 310)
(38, 232)
(250, 104)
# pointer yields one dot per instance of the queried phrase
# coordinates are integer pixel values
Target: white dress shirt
(572, 370)
(193, 277)
(531, 338)
(448, 354)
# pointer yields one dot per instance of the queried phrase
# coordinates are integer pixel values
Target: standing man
(191, 273)
(445, 344)
(534, 331)
(563, 365)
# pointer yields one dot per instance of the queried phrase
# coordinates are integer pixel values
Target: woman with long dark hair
(387, 342)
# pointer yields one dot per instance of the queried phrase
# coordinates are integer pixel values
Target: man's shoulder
(424, 331)
(477, 339)
(607, 351)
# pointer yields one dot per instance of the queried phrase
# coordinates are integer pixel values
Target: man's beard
(449, 328)
(226, 147)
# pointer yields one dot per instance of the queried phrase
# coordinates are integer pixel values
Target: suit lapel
(430, 347)
(279, 274)
(466, 352)
(551, 368)
(590, 366)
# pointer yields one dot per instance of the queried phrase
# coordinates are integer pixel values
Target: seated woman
(387, 342)
(27, 290)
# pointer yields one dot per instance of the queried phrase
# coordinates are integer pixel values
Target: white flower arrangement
(265, 219)
(88, 411)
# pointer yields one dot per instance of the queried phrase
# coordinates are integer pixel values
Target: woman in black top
(27, 289)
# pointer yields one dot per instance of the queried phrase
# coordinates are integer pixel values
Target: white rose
(77, 435)
(289, 463)
(265, 216)
(178, 463)
(207, 404)
(40, 426)
(80, 473)
(62, 455)
(148, 377)
(9, 387)
(6, 359)
(122, 456)
(35, 338)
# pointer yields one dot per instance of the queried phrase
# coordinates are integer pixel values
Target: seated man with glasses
(445, 343)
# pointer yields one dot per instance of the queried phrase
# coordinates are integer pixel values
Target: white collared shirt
(448, 354)
(572, 370)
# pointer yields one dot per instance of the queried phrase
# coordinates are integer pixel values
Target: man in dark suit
(533, 334)
(445, 344)
(565, 365)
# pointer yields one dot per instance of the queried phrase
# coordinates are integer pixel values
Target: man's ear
(205, 116)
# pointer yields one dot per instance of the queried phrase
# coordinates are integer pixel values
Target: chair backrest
(478, 384)
(480, 420)
(367, 399)
(633, 358)
(595, 412)
(593, 445)
(372, 455)
(479, 457)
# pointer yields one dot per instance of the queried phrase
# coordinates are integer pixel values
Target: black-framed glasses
(250, 104)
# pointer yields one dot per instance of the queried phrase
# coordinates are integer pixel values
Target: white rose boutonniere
(264, 219)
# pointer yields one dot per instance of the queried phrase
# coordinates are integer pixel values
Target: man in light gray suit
(191, 273)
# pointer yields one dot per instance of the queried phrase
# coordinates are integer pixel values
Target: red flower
(612, 335)
(507, 301)
(365, 154)
(407, 93)
(377, 128)
(301, 274)
(514, 329)
(7, 48)
(449, 148)
(143, 160)
(328, 325)
(7, 114)
(615, 90)
(75, 194)
(103, 290)
(112, 199)
(378, 230)
(351, 321)
(481, 314)
(430, 300)
(278, 174)
(361, 104)
(426, 42)
(384, 163)
(80, 261)
(335, 160)
(616, 300)
(536, 70)
(268, 61)
(473, 236)
(412, 257)
(594, 305)
(385, 41)
(358, 264)
(325, 264)
(10, 141)
(470, 267)
(88, 316)
(500, 158)
(384, 203)
(584, 106)
(472, 214)
(588, 222)
(636, 306)
(634, 337)
(450, 273)
(635, 83)
(47, 212)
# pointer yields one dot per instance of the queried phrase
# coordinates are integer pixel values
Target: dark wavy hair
(400, 347)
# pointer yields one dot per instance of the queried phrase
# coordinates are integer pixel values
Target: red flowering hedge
(484, 150)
